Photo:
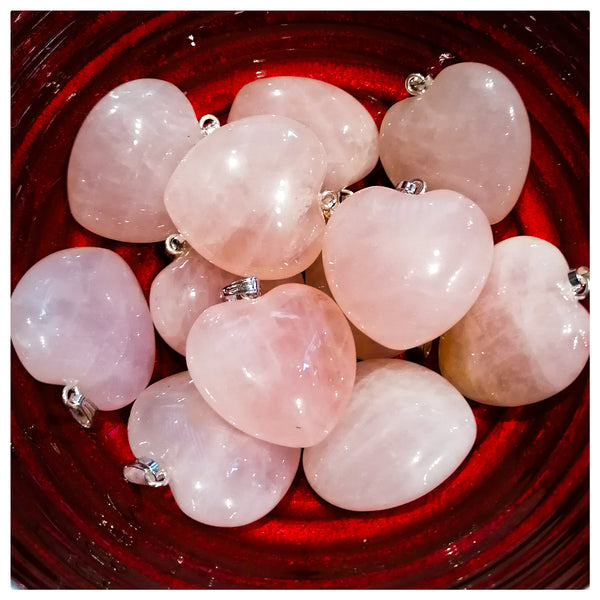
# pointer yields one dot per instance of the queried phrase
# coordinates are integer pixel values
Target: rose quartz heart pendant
(247, 197)
(123, 156)
(468, 132)
(279, 367)
(79, 318)
(405, 431)
(527, 336)
(217, 474)
(344, 126)
(404, 268)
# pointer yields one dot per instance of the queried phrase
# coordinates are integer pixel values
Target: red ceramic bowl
(515, 515)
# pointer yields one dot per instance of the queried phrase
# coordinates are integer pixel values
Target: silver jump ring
(412, 186)
(242, 289)
(329, 200)
(416, 84)
(579, 279)
(209, 124)
(82, 409)
(175, 245)
(145, 471)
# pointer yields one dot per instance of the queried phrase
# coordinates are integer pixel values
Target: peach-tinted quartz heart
(186, 287)
(468, 132)
(79, 317)
(365, 347)
(404, 268)
(405, 431)
(280, 367)
(527, 336)
(123, 156)
(218, 475)
(341, 122)
(247, 197)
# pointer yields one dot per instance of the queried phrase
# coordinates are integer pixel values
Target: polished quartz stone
(341, 122)
(186, 287)
(79, 317)
(468, 132)
(365, 347)
(404, 268)
(123, 156)
(218, 475)
(527, 337)
(247, 197)
(405, 431)
(280, 367)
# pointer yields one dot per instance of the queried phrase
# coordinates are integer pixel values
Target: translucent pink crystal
(365, 347)
(405, 431)
(186, 287)
(247, 197)
(468, 132)
(126, 150)
(79, 318)
(404, 268)
(218, 475)
(341, 122)
(280, 368)
(527, 336)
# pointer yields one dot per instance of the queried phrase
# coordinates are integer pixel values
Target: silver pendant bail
(329, 201)
(82, 409)
(145, 471)
(242, 289)
(579, 279)
(412, 186)
(208, 124)
(416, 84)
(175, 245)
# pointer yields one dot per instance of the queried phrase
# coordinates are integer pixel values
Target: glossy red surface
(515, 515)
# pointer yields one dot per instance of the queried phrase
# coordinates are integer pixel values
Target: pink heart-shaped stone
(280, 367)
(527, 336)
(218, 475)
(247, 197)
(79, 317)
(405, 431)
(468, 132)
(123, 156)
(405, 268)
(344, 126)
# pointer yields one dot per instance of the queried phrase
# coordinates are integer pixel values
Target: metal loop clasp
(175, 245)
(82, 409)
(242, 289)
(412, 186)
(579, 279)
(208, 124)
(145, 471)
(329, 200)
(416, 84)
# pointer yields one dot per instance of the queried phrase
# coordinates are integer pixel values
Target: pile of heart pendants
(291, 297)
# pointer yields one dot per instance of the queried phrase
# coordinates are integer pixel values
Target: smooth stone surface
(405, 431)
(365, 347)
(218, 475)
(344, 126)
(280, 367)
(527, 337)
(79, 316)
(469, 132)
(123, 156)
(405, 268)
(186, 287)
(247, 197)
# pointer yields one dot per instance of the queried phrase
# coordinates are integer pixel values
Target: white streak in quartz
(79, 316)
(527, 336)
(280, 368)
(344, 126)
(218, 475)
(405, 268)
(123, 156)
(405, 431)
(247, 197)
(469, 133)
